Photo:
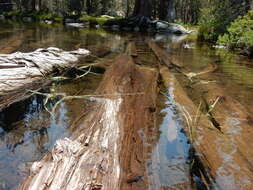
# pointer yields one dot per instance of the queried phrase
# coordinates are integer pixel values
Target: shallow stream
(27, 131)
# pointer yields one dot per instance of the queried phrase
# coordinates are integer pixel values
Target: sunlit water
(27, 131)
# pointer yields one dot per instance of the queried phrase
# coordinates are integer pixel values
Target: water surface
(27, 131)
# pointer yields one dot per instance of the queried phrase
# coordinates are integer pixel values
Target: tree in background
(218, 15)
(143, 8)
(188, 11)
(167, 10)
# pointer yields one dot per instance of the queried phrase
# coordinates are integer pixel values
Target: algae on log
(19, 71)
(107, 150)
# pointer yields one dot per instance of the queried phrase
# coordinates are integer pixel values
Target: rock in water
(2, 17)
(177, 29)
(162, 25)
(107, 16)
(27, 19)
(171, 28)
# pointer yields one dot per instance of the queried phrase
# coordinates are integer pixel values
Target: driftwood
(224, 156)
(20, 70)
(107, 150)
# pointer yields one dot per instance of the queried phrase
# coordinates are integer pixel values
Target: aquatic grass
(191, 120)
(212, 106)
(64, 97)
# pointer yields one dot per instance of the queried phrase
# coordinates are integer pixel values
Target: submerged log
(224, 156)
(107, 150)
(233, 119)
(163, 56)
(20, 70)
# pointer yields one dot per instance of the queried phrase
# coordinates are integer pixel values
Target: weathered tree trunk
(223, 150)
(143, 8)
(224, 156)
(107, 150)
(20, 70)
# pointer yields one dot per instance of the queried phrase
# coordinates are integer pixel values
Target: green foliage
(240, 33)
(48, 16)
(207, 23)
(35, 15)
(12, 13)
(218, 15)
(95, 19)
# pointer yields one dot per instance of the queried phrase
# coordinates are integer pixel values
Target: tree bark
(143, 8)
(107, 150)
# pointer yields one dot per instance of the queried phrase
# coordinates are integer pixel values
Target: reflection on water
(27, 131)
(170, 164)
(234, 72)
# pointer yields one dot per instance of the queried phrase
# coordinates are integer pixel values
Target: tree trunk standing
(38, 6)
(167, 10)
(143, 8)
(154, 9)
(33, 5)
(171, 12)
(128, 8)
(187, 10)
(88, 5)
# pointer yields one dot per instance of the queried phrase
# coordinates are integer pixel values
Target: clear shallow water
(170, 168)
(234, 74)
(27, 131)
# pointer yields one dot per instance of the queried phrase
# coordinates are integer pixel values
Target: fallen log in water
(172, 62)
(22, 70)
(163, 56)
(232, 118)
(107, 150)
(11, 41)
(224, 157)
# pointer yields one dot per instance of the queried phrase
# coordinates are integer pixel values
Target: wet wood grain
(107, 149)
(19, 71)
(225, 159)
